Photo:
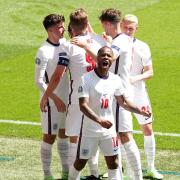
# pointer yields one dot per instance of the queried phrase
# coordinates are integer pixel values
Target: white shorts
(142, 101)
(52, 121)
(73, 120)
(123, 119)
(88, 146)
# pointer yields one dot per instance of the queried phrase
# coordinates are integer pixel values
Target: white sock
(134, 159)
(93, 164)
(63, 148)
(73, 173)
(149, 147)
(46, 155)
(120, 164)
(114, 174)
(72, 153)
(128, 170)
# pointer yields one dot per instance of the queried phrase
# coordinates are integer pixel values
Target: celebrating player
(97, 92)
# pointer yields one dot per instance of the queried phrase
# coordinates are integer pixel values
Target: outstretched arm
(128, 105)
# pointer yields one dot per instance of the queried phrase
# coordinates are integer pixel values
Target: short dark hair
(102, 49)
(52, 19)
(111, 15)
(78, 20)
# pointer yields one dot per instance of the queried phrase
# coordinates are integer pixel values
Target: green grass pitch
(22, 33)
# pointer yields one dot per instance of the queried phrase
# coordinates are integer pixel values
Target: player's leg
(93, 166)
(63, 150)
(50, 130)
(110, 148)
(87, 147)
(46, 154)
(73, 126)
(129, 144)
(149, 139)
(150, 150)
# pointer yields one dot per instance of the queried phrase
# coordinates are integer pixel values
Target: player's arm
(128, 105)
(84, 107)
(146, 74)
(55, 80)
(40, 69)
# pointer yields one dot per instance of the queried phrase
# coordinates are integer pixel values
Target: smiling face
(105, 58)
(57, 30)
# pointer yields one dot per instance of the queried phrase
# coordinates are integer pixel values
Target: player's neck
(53, 39)
(115, 32)
(102, 73)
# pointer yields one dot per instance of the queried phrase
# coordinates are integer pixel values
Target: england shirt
(78, 62)
(122, 48)
(141, 58)
(45, 65)
(101, 92)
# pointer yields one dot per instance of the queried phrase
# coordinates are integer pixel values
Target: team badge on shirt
(55, 126)
(85, 152)
(38, 61)
(80, 89)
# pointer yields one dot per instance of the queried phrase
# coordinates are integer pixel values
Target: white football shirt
(45, 65)
(101, 92)
(141, 58)
(122, 48)
(78, 62)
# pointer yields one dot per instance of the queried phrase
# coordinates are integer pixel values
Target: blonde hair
(130, 18)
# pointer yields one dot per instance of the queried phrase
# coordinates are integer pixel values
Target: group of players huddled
(89, 86)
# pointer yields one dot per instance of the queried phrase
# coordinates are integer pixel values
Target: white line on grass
(38, 124)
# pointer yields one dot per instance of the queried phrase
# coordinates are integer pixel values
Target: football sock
(72, 153)
(128, 169)
(46, 154)
(114, 174)
(149, 146)
(134, 159)
(73, 173)
(93, 164)
(63, 147)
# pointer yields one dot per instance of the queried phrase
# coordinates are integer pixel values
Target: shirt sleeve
(63, 56)
(146, 56)
(40, 69)
(83, 89)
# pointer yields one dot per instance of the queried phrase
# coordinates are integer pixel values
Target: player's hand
(132, 80)
(61, 107)
(78, 42)
(107, 38)
(43, 104)
(146, 113)
(105, 123)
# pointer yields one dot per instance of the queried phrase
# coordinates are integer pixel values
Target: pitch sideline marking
(38, 124)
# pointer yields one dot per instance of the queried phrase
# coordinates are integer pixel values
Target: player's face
(58, 30)
(107, 27)
(105, 58)
(129, 28)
